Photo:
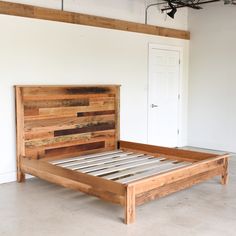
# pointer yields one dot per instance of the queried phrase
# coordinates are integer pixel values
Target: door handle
(154, 106)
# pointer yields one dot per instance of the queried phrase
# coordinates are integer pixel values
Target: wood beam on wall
(16, 9)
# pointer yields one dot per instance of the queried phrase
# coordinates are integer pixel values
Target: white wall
(44, 52)
(212, 80)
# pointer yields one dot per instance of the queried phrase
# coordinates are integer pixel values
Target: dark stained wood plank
(23, 10)
(95, 113)
(52, 97)
(75, 149)
(89, 128)
(68, 90)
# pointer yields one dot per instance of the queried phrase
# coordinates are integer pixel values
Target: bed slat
(148, 166)
(94, 159)
(61, 161)
(149, 173)
(112, 161)
(124, 167)
(113, 164)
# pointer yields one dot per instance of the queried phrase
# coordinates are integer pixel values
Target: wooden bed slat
(121, 162)
(96, 160)
(125, 167)
(154, 171)
(137, 169)
(85, 157)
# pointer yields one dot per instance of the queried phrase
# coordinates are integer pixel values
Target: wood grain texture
(69, 120)
(54, 122)
(174, 152)
(225, 174)
(20, 147)
(178, 174)
(60, 175)
(130, 205)
(176, 186)
(23, 10)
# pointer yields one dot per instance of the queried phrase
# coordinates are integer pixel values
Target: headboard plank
(66, 121)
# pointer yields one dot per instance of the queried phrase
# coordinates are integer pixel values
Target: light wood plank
(176, 175)
(130, 205)
(167, 189)
(225, 174)
(149, 162)
(23, 10)
(137, 169)
(42, 169)
(121, 162)
(85, 157)
(20, 148)
(156, 170)
(151, 149)
(96, 160)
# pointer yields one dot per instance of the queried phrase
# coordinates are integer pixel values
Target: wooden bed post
(225, 176)
(19, 133)
(20, 175)
(130, 205)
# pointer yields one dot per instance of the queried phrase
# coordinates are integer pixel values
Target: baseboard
(10, 177)
(7, 177)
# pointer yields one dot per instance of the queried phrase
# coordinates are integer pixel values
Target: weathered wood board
(62, 121)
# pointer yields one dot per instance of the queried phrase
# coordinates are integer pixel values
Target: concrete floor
(38, 208)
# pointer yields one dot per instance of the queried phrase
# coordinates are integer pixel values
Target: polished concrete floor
(38, 208)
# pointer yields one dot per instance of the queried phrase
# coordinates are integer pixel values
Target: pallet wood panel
(79, 119)
(23, 10)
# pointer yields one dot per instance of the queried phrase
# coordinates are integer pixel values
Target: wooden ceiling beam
(23, 10)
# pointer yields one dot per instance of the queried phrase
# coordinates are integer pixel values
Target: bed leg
(20, 177)
(20, 174)
(130, 205)
(225, 176)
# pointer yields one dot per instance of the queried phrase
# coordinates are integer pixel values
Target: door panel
(163, 97)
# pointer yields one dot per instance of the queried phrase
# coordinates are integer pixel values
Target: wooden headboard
(65, 121)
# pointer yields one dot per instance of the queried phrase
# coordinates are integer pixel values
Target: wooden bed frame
(62, 129)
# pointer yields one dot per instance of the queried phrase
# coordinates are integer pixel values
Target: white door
(163, 97)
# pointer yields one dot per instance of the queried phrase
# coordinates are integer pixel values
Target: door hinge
(179, 96)
(178, 131)
(179, 61)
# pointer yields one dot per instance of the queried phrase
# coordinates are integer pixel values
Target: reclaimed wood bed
(69, 135)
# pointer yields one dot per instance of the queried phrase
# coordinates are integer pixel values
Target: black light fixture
(172, 13)
(171, 6)
(173, 10)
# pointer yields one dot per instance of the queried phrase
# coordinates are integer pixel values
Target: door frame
(180, 86)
